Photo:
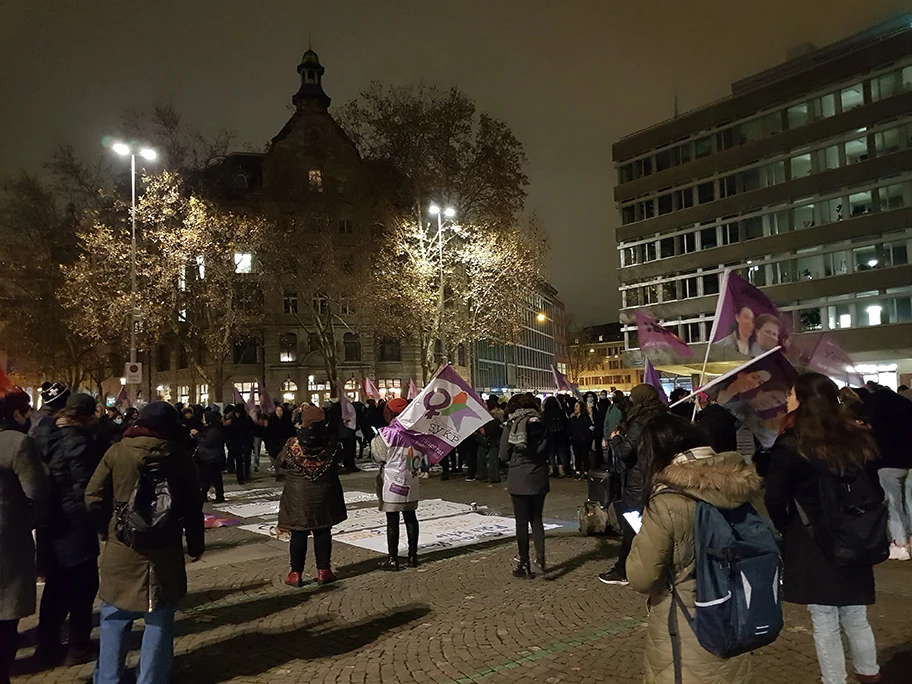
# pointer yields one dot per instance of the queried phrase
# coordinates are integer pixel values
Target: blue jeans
(830, 654)
(897, 485)
(156, 654)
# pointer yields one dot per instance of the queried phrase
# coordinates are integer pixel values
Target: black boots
(392, 563)
(523, 571)
(413, 560)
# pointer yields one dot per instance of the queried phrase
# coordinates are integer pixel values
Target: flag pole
(723, 289)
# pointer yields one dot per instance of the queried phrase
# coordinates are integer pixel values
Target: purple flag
(349, 417)
(658, 341)
(563, 384)
(370, 389)
(122, 401)
(746, 321)
(651, 377)
(238, 399)
(251, 401)
(265, 400)
(822, 354)
(445, 413)
(412, 390)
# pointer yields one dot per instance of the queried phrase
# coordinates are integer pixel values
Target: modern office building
(801, 181)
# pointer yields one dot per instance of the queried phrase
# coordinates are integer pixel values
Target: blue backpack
(738, 573)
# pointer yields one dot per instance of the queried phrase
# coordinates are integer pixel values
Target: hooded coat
(645, 404)
(664, 547)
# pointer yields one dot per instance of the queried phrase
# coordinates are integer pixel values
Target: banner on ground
(756, 393)
(651, 377)
(444, 413)
(658, 343)
(746, 321)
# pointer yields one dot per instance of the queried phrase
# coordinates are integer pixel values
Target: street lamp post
(149, 154)
(449, 212)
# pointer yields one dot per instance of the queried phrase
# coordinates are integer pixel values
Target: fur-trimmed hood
(723, 480)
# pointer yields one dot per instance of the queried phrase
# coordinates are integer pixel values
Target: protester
(683, 410)
(645, 403)
(67, 539)
(109, 425)
(242, 431)
(523, 445)
(397, 490)
(23, 485)
(581, 436)
(210, 456)
(145, 583)
(819, 437)
(53, 400)
(599, 412)
(489, 448)
(674, 454)
(312, 500)
(557, 430)
(232, 441)
(890, 415)
(279, 430)
(720, 426)
(613, 418)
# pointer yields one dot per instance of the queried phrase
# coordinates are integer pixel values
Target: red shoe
(294, 579)
(868, 679)
(325, 576)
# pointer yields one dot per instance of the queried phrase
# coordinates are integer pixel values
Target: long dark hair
(664, 436)
(825, 430)
(553, 412)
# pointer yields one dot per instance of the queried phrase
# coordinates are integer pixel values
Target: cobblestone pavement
(458, 619)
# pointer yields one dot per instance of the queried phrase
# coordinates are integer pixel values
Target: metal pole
(443, 335)
(133, 262)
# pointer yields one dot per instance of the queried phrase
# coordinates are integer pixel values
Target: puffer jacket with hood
(664, 548)
(143, 580)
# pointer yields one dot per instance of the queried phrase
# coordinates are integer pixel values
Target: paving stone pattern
(458, 619)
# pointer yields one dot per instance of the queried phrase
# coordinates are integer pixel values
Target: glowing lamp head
(449, 212)
(541, 318)
(148, 153)
(434, 210)
(121, 149)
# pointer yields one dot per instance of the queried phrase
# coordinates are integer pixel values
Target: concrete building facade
(801, 181)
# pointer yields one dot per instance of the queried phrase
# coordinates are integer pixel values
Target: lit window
(874, 314)
(315, 180)
(288, 348)
(243, 263)
(203, 394)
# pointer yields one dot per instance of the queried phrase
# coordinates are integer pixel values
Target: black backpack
(148, 520)
(852, 529)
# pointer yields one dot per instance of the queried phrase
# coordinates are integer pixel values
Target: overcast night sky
(569, 77)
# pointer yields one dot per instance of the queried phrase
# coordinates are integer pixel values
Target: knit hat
(311, 415)
(81, 404)
(55, 395)
(397, 406)
(159, 414)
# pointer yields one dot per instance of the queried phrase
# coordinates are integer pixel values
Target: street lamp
(148, 154)
(541, 318)
(449, 212)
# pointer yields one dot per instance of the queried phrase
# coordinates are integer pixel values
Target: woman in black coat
(582, 433)
(557, 429)
(523, 445)
(67, 541)
(819, 436)
(312, 499)
(279, 429)
(210, 455)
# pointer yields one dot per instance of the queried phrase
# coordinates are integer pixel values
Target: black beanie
(159, 414)
(81, 404)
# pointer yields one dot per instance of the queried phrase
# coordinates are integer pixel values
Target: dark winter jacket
(809, 576)
(210, 448)
(581, 431)
(529, 467)
(310, 504)
(624, 449)
(720, 426)
(141, 581)
(278, 431)
(66, 534)
(890, 416)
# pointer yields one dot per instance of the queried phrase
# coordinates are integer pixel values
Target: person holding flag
(397, 489)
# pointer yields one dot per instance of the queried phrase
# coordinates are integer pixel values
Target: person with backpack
(67, 541)
(823, 496)
(312, 499)
(210, 456)
(145, 497)
(645, 404)
(691, 493)
(523, 446)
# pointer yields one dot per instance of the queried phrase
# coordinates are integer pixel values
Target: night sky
(569, 77)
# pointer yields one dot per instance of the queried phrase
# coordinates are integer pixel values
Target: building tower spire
(311, 94)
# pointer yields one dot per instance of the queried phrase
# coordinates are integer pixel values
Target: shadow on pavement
(603, 551)
(896, 664)
(252, 654)
(198, 598)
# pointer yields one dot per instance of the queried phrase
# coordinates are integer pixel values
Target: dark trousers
(322, 548)
(9, 642)
(527, 509)
(210, 475)
(68, 591)
(581, 456)
(626, 540)
(469, 451)
(231, 460)
(492, 456)
(392, 532)
(349, 446)
(242, 462)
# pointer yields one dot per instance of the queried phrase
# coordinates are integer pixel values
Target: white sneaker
(900, 553)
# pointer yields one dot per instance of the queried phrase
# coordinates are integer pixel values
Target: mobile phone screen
(635, 520)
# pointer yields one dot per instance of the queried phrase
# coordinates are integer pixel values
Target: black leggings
(210, 475)
(9, 638)
(392, 532)
(68, 591)
(322, 548)
(527, 508)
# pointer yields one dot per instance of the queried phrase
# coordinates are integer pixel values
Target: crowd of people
(75, 472)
